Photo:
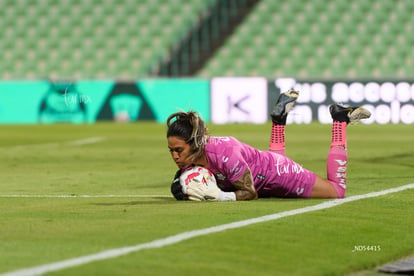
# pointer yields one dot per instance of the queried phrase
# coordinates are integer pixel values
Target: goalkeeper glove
(176, 188)
(208, 192)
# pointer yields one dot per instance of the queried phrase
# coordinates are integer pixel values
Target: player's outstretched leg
(279, 113)
(338, 156)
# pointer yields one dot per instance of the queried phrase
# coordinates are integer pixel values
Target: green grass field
(47, 170)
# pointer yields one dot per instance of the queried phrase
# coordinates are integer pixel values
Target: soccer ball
(196, 175)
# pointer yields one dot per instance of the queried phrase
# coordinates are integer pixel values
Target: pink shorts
(294, 185)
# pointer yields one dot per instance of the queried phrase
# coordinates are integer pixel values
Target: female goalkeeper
(245, 173)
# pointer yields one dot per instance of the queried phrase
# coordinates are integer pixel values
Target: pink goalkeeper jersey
(273, 174)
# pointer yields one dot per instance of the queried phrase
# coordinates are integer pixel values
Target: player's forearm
(245, 187)
(246, 195)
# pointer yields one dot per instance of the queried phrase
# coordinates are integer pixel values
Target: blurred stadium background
(71, 41)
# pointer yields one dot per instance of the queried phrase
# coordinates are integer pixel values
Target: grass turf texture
(133, 159)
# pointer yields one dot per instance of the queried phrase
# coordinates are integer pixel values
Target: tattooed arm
(245, 187)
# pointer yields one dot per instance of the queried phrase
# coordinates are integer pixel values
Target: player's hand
(199, 191)
(176, 188)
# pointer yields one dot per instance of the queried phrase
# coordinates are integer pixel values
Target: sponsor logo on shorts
(288, 168)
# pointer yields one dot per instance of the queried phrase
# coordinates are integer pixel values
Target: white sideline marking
(112, 253)
(80, 196)
(80, 142)
(90, 140)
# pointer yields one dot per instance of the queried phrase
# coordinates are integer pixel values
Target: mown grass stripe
(79, 142)
(80, 196)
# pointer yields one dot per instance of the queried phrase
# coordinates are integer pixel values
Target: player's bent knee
(324, 189)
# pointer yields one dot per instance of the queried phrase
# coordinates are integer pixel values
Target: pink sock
(277, 139)
(336, 169)
(338, 158)
(339, 134)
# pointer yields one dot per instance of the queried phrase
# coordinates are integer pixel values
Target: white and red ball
(196, 175)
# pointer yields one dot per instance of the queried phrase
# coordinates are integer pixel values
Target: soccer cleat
(348, 114)
(283, 105)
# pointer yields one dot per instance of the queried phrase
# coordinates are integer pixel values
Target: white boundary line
(81, 196)
(112, 253)
(79, 142)
(86, 141)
